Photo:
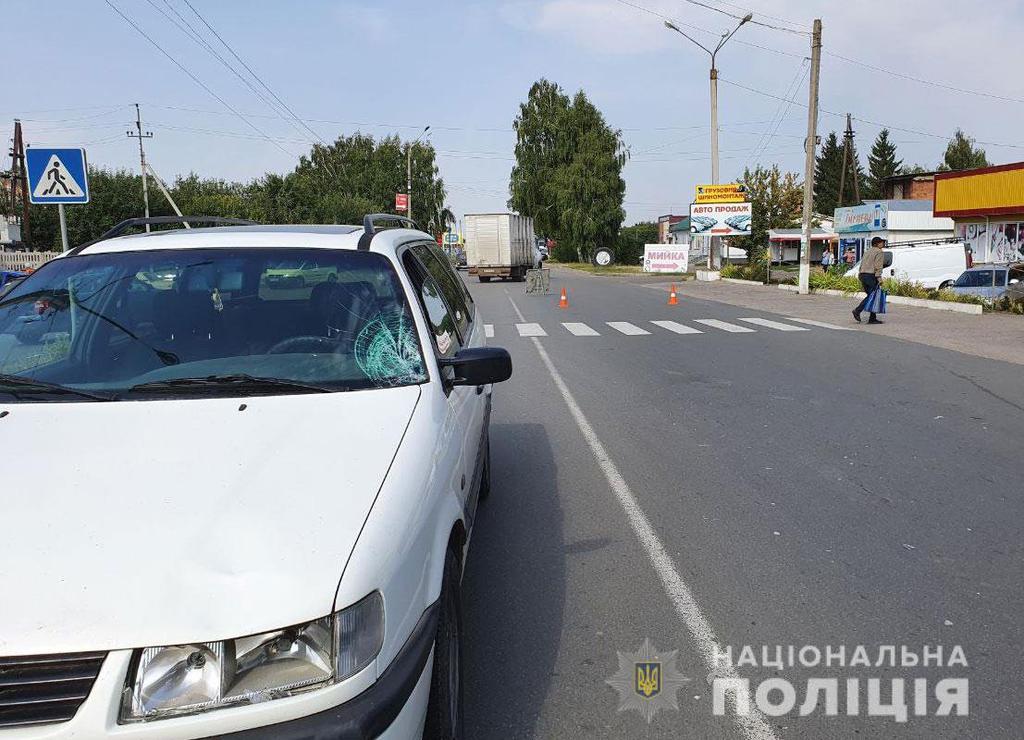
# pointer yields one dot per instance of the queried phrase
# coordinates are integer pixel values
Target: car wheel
(485, 475)
(444, 712)
(485, 279)
(604, 257)
(947, 284)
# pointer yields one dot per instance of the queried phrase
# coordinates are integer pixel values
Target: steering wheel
(295, 344)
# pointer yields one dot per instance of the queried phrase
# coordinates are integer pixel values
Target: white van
(933, 265)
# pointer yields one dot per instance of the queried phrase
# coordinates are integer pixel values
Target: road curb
(972, 309)
(738, 281)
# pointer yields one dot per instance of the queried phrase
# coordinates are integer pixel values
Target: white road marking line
(773, 324)
(579, 330)
(676, 327)
(753, 725)
(725, 326)
(489, 330)
(822, 324)
(530, 330)
(630, 330)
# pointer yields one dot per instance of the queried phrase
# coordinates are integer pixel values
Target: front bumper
(371, 713)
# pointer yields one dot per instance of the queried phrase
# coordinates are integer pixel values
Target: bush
(744, 272)
(834, 281)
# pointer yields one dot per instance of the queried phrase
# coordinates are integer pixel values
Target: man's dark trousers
(869, 282)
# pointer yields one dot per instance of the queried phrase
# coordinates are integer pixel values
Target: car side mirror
(1014, 281)
(479, 365)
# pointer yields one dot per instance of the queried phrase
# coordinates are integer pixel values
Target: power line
(889, 126)
(254, 75)
(923, 81)
(740, 17)
(193, 35)
(780, 112)
(195, 79)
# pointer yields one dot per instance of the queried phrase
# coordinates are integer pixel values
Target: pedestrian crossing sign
(57, 175)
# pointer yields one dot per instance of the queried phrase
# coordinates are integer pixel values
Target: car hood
(164, 522)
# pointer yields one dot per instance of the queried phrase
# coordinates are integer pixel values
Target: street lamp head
(747, 18)
(671, 26)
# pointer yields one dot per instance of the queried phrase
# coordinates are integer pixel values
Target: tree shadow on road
(514, 587)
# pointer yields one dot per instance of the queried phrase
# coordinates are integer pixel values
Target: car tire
(945, 285)
(485, 279)
(604, 257)
(444, 711)
(485, 475)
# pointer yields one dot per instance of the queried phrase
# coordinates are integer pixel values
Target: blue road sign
(57, 175)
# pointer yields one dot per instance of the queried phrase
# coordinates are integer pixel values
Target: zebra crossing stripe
(772, 324)
(677, 328)
(630, 330)
(531, 330)
(489, 331)
(725, 326)
(820, 324)
(579, 330)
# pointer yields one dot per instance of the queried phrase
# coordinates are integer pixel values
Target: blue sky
(463, 68)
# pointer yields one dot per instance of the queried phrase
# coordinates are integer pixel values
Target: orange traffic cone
(563, 302)
(672, 299)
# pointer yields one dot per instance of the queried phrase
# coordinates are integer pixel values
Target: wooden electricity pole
(811, 146)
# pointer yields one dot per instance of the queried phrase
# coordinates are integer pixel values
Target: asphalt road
(818, 487)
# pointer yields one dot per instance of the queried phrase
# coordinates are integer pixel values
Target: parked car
(252, 510)
(989, 281)
(460, 259)
(932, 265)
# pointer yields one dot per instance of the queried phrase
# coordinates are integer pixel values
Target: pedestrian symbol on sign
(57, 181)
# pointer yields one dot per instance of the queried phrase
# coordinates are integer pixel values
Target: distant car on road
(297, 274)
(296, 572)
(987, 281)
(8, 279)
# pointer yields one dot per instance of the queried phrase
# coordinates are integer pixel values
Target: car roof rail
(369, 229)
(187, 221)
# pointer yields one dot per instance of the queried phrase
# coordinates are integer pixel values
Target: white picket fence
(24, 260)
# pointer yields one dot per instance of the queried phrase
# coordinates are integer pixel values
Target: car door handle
(479, 389)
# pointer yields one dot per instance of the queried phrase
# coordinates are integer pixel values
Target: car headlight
(186, 679)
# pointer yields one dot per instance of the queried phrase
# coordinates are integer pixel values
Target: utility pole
(811, 147)
(849, 156)
(142, 157)
(408, 172)
(19, 180)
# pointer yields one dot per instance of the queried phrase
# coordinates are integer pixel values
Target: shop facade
(895, 221)
(987, 209)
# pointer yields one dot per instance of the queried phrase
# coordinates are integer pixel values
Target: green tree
(629, 247)
(882, 164)
(962, 154)
(776, 200)
(827, 171)
(568, 171)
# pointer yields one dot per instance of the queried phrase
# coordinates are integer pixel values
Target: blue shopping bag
(876, 301)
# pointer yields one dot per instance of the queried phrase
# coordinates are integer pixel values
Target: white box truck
(499, 245)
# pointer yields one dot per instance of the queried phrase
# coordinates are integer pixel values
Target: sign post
(57, 176)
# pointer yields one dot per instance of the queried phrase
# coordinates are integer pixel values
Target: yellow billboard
(990, 191)
(728, 193)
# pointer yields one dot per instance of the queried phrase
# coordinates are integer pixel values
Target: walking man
(871, 265)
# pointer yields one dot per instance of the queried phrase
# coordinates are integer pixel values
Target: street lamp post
(714, 106)
(408, 172)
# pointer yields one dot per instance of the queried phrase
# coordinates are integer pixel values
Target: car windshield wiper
(31, 384)
(239, 381)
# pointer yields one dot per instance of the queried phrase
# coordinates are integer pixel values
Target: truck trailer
(499, 245)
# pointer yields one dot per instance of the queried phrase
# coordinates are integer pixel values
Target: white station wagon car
(239, 506)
